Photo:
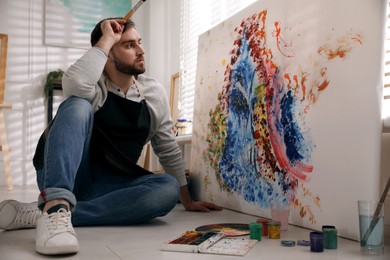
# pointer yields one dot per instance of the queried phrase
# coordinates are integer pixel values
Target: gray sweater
(85, 79)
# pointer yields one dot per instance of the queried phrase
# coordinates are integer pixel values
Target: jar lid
(182, 120)
(328, 227)
(303, 243)
(287, 243)
(274, 223)
(262, 220)
(316, 234)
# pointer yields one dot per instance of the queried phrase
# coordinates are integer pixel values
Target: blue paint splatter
(291, 132)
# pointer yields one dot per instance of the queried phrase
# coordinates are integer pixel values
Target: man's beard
(127, 68)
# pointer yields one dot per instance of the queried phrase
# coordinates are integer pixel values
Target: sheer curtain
(198, 16)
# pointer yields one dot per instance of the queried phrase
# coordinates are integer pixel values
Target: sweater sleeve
(166, 148)
(82, 77)
(162, 138)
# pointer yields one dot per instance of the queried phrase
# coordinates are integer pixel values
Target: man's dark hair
(97, 31)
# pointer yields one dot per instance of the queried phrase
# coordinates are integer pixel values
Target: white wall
(29, 60)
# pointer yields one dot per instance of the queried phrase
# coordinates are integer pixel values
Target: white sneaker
(18, 215)
(55, 234)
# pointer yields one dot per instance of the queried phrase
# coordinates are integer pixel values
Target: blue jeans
(96, 196)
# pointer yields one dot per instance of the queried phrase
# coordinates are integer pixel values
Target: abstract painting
(287, 110)
(69, 23)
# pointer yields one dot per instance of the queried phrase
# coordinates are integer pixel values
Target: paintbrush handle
(375, 218)
(132, 11)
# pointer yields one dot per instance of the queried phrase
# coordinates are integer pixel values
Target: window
(198, 16)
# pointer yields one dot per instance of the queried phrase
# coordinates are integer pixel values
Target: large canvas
(287, 110)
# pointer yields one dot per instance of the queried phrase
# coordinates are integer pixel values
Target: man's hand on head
(112, 33)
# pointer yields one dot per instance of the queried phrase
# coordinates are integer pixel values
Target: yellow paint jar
(274, 229)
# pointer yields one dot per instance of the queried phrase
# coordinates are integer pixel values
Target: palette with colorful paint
(229, 229)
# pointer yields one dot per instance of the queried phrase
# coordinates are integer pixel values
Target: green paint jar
(330, 238)
(255, 230)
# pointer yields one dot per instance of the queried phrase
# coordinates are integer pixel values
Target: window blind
(198, 16)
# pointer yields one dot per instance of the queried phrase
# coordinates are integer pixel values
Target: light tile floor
(143, 241)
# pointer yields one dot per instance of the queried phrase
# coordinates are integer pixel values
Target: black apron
(120, 130)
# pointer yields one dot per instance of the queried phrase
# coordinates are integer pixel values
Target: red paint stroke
(286, 76)
(280, 42)
(299, 86)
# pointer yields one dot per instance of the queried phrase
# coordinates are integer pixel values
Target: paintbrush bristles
(132, 11)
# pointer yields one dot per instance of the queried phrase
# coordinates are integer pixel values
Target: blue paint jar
(316, 241)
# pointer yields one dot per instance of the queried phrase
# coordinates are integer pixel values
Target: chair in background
(4, 147)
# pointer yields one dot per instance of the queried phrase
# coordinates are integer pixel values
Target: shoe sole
(63, 250)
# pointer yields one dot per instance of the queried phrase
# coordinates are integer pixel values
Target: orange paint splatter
(341, 48)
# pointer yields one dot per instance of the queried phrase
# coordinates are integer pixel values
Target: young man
(88, 155)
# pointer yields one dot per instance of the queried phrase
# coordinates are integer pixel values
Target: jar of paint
(264, 222)
(330, 238)
(183, 127)
(255, 231)
(316, 241)
(274, 229)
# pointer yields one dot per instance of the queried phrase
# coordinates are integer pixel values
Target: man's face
(128, 53)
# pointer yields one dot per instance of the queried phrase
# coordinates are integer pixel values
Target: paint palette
(209, 243)
(229, 229)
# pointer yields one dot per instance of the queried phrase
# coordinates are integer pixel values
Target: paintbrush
(375, 218)
(132, 11)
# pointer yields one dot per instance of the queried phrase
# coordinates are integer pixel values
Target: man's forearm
(185, 196)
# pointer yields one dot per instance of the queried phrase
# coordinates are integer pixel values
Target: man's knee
(79, 108)
(169, 192)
